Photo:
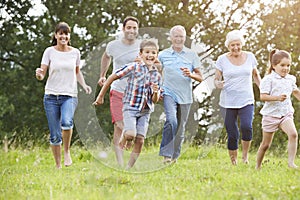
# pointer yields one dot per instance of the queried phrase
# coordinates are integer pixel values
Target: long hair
(276, 56)
(61, 27)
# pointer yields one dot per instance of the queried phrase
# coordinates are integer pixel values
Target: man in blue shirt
(179, 66)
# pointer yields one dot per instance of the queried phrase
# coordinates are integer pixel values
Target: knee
(246, 129)
(55, 140)
(246, 133)
(293, 136)
(67, 124)
(119, 125)
(130, 134)
(265, 146)
(172, 121)
(139, 140)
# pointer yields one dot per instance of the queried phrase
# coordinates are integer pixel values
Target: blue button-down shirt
(175, 84)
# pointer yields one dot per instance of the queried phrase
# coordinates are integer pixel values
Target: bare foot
(233, 160)
(245, 159)
(167, 160)
(68, 160)
(293, 166)
(246, 162)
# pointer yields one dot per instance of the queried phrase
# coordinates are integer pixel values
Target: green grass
(198, 174)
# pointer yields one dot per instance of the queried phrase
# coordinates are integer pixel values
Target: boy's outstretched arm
(100, 98)
(296, 94)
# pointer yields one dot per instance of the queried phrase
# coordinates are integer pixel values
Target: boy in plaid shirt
(142, 91)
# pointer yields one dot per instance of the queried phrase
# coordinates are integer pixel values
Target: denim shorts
(135, 120)
(60, 111)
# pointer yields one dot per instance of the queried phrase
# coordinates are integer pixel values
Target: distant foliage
(24, 37)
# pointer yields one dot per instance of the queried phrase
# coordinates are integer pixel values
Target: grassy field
(31, 175)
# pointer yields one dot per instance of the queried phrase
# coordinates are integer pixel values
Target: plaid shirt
(138, 92)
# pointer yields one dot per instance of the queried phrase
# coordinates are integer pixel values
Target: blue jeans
(174, 127)
(60, 111)
(230, 116)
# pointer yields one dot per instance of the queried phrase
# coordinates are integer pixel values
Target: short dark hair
(130, 18)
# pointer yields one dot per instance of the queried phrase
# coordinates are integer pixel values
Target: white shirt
(275, 85)
(238, 87)
(62, 71)
(122, 54)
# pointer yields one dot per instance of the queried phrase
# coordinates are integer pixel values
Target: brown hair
(148, 42)
(276, 56)
(61, 27)
(130, 18)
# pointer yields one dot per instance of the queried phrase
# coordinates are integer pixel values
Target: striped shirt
(138, 92)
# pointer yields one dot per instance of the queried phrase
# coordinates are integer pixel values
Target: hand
(158, 65)
(282, 97)
(138, 59)
(219, 84)
(186, 71)
(99, 101)
(155, 87)
(101, 81)
(157, 62)
(39, 73)
(88, 89)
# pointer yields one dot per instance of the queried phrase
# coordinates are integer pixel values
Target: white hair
(234, 35)
(176, 28)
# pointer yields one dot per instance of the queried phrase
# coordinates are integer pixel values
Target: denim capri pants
(60, 111)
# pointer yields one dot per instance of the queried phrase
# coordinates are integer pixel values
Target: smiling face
(283, 67)
(62, 37)
(235, 47)
(130, 30)
(178, 37)
(149, 55)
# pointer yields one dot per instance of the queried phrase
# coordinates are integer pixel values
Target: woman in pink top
(60, 99)
(275, 89)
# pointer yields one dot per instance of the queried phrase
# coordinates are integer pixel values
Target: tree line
(25, 35)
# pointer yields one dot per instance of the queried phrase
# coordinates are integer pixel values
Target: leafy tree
(25, 36)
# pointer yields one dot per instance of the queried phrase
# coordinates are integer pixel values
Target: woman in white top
(234, 72)
(60, 99)
(275, 89)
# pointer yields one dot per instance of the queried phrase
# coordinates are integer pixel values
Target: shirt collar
(277, 75)
(152, 68)
(184, 49)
